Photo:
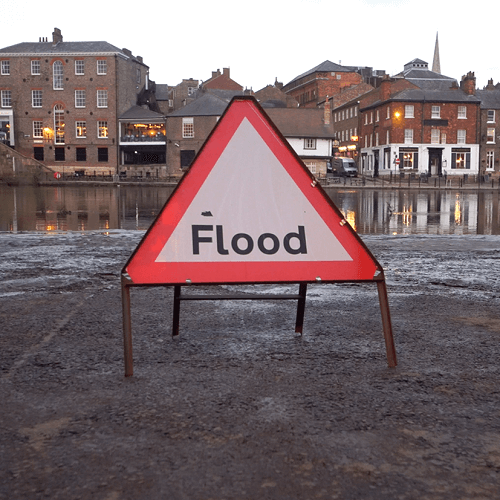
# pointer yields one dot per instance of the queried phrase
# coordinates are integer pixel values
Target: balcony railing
(143, 138)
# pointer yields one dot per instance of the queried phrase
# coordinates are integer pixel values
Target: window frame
(57, 75)
(435, 136)
(37, 127)
(102, 66)
(461, 136)
(79, 67)
(102, 129)
(409, 111)
(490, 159)
(310, 143)
(436, 112)
(102, 98)
(80, 97)
(36, 68)
(5, 67)
(188, 128)
(81, 125)
(490, 132)
(36, 98)
(6, 98)
(488, 120)
(462, 112)
(408, 136)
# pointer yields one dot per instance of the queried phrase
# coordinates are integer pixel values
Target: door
(435, 163)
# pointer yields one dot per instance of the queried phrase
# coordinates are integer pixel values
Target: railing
(145, 138)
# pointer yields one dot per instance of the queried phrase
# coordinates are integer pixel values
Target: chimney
(468, 83)
(56, 36)
(215, 74)
(326, 112)
(385, 88)
(225, 72)
(278, 85)
(490, 85)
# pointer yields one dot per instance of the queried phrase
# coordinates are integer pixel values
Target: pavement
(239, 406)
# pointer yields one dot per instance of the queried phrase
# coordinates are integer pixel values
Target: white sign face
(260, 215)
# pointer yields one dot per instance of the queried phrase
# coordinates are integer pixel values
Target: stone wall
(16, 168)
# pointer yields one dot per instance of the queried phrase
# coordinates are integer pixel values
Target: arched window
(59, 124)
(57, 71)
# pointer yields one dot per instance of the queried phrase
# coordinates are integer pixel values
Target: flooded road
(90, 208)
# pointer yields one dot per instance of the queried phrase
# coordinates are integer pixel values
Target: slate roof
(301, 122)
(325, 66)
(209, 104)
(420, 95)
(40, 48)
(138, 113)
(162, 92)
(418, 73)
(490, 99)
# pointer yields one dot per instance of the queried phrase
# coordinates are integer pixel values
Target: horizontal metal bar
(240, 297)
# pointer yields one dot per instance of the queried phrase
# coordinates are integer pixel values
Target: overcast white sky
(261, 40)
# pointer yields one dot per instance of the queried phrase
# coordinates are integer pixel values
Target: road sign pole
(386, 323)
(301, 306)
(127, 328)
(177, 312)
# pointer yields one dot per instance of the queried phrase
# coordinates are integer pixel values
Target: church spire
(436, 66)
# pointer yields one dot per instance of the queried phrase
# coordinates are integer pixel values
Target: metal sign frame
(366, 268)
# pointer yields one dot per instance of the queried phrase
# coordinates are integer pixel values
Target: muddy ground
(239, 406)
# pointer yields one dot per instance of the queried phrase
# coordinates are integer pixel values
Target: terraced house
(61, 103)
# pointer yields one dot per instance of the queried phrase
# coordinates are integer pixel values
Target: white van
(345, 167)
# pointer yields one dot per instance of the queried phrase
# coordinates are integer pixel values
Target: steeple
(436, 66)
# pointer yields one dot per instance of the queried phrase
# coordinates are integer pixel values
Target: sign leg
(301, 306)
(177, 310)
(386, 322)
(127, 330)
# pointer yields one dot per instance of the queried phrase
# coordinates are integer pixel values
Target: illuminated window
(81, 129)
(490, 135)
(80, 98)
(37, 128)
(102, 67)
(36, 98)
(102, 129)
(79, 67)
(58, 75)
(102, 98)
(460, 160)
(187, 128)
(59, 124)
(35, 67)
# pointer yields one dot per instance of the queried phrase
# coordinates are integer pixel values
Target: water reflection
(419, 212)
(81, 208)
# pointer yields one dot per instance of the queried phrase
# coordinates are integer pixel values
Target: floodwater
(369, 211)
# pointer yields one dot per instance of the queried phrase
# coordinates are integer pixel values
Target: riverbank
(239, 406)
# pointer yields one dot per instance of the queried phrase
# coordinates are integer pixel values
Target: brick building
(490, 129)
(420, 122)
(61, 101)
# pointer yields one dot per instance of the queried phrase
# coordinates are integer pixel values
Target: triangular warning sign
(249, 211)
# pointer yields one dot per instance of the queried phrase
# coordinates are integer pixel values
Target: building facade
(423, 124)
(60, 102)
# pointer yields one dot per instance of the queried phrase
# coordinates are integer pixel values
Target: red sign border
(143, 270)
